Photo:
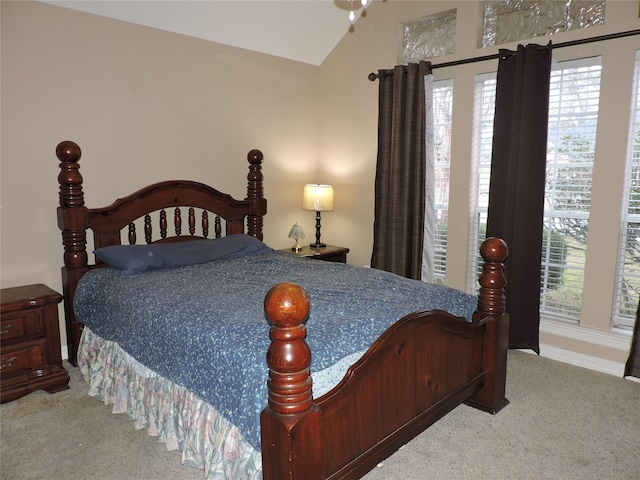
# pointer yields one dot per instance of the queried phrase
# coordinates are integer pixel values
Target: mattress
(202, 326)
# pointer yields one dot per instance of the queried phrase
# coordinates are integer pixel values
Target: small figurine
(296, 233)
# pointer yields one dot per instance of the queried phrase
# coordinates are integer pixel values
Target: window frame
(619, 318)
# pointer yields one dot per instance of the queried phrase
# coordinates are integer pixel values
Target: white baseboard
(582, 360)
(65, 352)
(618, 340)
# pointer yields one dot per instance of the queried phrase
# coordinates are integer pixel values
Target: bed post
(255, 192)
(72, 220)
(291, 422)
(491, 305)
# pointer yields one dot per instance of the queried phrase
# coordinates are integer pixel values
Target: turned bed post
(72, 221)
(291, 422)
(491, 306)
(255, 193)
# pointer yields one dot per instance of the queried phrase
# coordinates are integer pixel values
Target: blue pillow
(132, 259)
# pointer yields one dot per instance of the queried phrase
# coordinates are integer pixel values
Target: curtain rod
(373, 76)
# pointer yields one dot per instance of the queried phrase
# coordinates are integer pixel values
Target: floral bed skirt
(179, 418)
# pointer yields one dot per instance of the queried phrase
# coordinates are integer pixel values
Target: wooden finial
(69, 178)
(68, 151)
(286, 307)
(255, 177)
(491, 296)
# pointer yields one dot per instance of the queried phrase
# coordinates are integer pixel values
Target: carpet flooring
(563, 423)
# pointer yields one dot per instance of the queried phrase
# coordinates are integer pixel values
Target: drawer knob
(6, 329)
(7, 362)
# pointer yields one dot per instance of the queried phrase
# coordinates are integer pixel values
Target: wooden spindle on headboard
(163, 223)
(132, 237)
(192, 221)
(255, 191)
(217, 225)
(205, 224)
(148, 229)
(177, 221)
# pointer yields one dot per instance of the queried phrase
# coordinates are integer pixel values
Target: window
(442, 109)
(431, 37)
(573, 114)
(484, 111)
(506, 21)
(628, 278)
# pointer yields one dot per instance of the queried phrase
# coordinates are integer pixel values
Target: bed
(336, 393)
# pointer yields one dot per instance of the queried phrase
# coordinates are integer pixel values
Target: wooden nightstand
(30, 357)
(330, 253)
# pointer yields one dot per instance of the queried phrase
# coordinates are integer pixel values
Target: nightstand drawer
(28, 356)
(339, 257)
(22, 324)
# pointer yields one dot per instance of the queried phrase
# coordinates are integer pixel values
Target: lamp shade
(317, 198)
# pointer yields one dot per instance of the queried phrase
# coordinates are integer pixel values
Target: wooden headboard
(167, 205)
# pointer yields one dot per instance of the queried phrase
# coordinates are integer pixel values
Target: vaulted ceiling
(301, 30)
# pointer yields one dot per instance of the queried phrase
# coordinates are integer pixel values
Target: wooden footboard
(421, 368)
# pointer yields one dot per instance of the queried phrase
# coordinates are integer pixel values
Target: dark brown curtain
(516, 192)
(400, 171)
(632, 368)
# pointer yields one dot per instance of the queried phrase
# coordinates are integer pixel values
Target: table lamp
(317, 198)
(296, 233)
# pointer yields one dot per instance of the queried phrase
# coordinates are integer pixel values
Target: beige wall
(144, 105)
(148, 105)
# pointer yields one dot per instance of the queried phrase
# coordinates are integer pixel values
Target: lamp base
(318, 244)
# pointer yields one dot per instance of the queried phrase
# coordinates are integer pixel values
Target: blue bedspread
(203, 326)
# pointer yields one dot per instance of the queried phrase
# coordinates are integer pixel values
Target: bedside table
(330, 253)
(30, 357)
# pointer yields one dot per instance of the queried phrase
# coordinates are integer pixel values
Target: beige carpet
(564, 422)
